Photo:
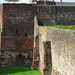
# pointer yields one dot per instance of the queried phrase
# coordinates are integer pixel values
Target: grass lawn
(19, 70)
(62, 26)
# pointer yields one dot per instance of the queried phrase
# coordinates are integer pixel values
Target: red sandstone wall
(1, 13)
(17, 34)
(17, 28)
(0, 25)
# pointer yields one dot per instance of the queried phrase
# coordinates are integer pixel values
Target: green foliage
(50, 65)
(62, 26)
(47, 44)
(19, 70)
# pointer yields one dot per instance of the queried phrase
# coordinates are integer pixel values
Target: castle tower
(17, 36)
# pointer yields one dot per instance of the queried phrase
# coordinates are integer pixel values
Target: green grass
(19, 70)
(62, 26)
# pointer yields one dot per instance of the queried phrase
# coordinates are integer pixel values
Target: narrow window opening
(20, 55)
(16, 32)
(26, 35)
(47, 57)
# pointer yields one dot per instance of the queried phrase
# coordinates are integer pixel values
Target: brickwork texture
(17, 34)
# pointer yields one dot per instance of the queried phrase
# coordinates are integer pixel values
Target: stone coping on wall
(68, 35)
(18, 4)
(18, 50)
(57, 28)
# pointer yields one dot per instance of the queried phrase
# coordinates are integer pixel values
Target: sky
(1, 1)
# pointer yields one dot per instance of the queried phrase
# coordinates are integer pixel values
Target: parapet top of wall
(67, 8)
(65, 35)
(7, 6)
(17, 4)
(65, 3)
(56, 8)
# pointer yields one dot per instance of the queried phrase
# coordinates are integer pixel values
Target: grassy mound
(19, 70)
(62, 26)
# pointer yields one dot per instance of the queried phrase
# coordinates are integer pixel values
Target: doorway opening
(47, 58)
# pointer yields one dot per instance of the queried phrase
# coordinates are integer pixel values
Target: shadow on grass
(19, 70)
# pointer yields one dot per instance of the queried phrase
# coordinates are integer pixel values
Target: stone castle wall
(59, 15)
(62, 49)
(56, 15)
(16, 57)
(1, 7)
(56, 45)
(17, 33)
(17, 26)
